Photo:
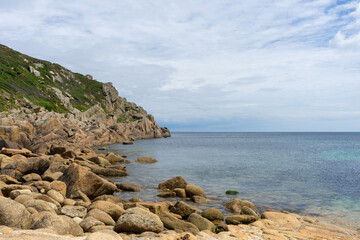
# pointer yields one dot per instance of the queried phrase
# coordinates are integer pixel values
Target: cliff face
(42, 103)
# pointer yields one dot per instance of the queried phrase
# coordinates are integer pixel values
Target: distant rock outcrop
(42, 104)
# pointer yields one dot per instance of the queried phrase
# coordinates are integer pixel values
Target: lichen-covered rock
(14, 214)
(138, 220)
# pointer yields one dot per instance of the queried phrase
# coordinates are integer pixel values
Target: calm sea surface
(307, 173)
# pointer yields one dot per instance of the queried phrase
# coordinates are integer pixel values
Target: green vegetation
(231, 192)
(19, 82)
(125, 119)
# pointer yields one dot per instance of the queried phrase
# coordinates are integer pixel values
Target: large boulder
(213, 214)
(283, 219)
(173, 223)
(235, 205)
(14, 214)
(201, 222)
(40, 206)
(183, 209)
(138, 220)
(114, 210)
(22, 167)
(175, 182)
(101, 216)
(59, 223)
(193, 190)
(80, 178)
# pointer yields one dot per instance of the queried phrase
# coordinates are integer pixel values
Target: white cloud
(188, 61)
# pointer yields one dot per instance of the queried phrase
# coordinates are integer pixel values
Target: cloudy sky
(224, 65)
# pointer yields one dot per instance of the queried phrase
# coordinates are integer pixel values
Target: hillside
(34, 92)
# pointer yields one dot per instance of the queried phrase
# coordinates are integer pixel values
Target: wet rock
(171, 184)
(128, 187)
(235, 205)
(240, 219)
(213, 214)
(199, 200)
(248, 211)
(201, 223)
(146, 160)
(180, 192)
(135, 200)
(59, 223)
(138, 220)
(167, 195)
(193, 190)
(171, 222)
(80, 178)
(14, 214)
(114, 210)
(183, 209)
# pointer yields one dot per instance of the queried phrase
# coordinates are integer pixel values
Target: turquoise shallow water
(307, 173)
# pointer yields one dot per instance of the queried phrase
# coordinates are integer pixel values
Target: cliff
(43, 103)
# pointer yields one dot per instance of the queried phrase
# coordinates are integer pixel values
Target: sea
(313, 174)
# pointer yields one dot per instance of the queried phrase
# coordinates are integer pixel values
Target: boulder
(15, 193)
(240, 219)
(114, 210)
(173, 223)
(41, 186)
(171, 184)
(74, 211)
(31, 177)
(104, 235)
(59, 223)
(128, 187)
(193, 190)
(57, 150)
(156, 207)
(80, 178)
(113, 158)
(109, 171)
(183, 209)
(110, 198)
(100, 161)
(146, 160)
(101, 216)
(57, 196)
(8, 180)
(138, 220)
(48, 199)
(59, 186)
(4, 143)
(235, 205)
(213, 214)
(11, 152)
(199, 200)
(40, 206)
(167, 194)
(180, 192)
(14, 214)
(31, 165)
(248, 211)
(6, 190)
(201, 222)
(283, 219)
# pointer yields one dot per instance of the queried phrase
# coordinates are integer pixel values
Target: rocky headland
(53, 185)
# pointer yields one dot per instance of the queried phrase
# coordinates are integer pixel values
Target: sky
(206, 65)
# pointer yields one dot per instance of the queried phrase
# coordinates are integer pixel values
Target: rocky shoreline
(68, 193)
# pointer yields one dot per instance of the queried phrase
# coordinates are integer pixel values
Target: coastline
(61, 192)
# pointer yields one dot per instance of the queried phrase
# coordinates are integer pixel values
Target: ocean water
(307, 173)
